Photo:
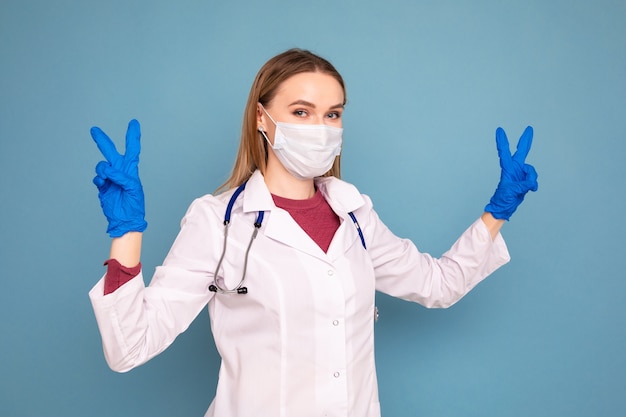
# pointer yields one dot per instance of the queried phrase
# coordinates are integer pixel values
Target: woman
(290, 280)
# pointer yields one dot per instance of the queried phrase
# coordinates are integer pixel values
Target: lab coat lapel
(278, 224)
(344, 238)
(281, 227)
(343, 199)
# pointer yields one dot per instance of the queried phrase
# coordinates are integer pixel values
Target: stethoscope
(239, 288)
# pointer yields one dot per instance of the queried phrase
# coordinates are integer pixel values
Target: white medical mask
(306, 151)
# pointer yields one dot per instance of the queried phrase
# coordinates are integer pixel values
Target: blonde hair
(252, 153)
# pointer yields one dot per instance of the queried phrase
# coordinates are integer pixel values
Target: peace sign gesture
(117, 178)
(516, 178)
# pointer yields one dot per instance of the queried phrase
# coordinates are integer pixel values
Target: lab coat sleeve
(403, 271)
(137, 322)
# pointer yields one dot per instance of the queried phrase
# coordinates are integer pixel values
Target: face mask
(306, 151)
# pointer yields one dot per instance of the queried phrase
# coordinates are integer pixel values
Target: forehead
(314, 87)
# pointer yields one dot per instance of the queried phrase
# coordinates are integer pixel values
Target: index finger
(105, 144)
(504, 151)
(133, 133)
(523, 146)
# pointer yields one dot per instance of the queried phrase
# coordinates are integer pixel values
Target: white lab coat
(301, 342)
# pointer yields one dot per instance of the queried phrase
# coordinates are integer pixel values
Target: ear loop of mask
(268, 115)
(261, 129)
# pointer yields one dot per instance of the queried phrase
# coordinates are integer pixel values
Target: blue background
(428, 82)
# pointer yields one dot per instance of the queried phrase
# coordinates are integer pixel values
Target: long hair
(252, 153)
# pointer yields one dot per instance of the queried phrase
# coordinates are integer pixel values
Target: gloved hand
(516, 178)
(117, 179)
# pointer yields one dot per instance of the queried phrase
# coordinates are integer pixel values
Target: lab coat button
(335, 322)
(331, 273)
(336, 374)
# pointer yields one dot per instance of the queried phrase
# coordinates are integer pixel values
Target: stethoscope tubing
(239, 288)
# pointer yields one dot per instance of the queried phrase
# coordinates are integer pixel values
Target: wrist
(493, 225)
(126, 249)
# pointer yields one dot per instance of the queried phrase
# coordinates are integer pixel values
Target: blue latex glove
(117, 179)
(517, 177)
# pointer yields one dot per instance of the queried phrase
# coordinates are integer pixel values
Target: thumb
(531, 177)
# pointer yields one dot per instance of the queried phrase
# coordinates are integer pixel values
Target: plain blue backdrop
(428, 83)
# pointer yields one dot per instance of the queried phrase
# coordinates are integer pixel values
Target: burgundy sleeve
(118, 275)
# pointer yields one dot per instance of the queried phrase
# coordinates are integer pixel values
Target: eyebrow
(309, 104)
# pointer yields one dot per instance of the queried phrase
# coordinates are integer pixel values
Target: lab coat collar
(342, 197)
(257, 197)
